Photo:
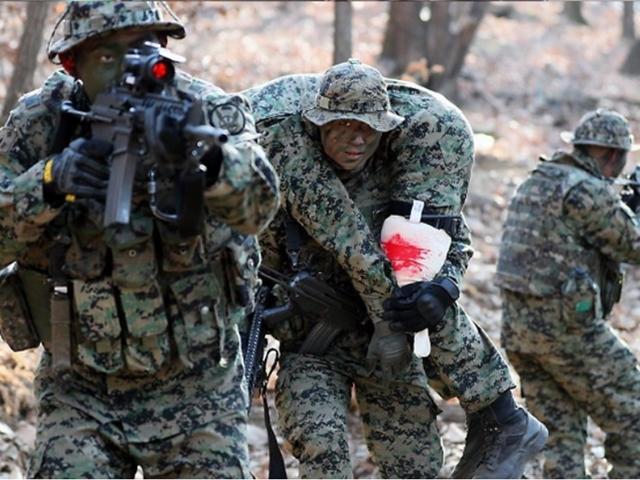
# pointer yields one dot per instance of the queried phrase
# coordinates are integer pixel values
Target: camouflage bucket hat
(83, 20)
(354, 91)
(604, 128)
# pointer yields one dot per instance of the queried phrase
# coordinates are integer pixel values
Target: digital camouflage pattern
(566, 218)
(172, 423)
(602, 127)
(429, 158)
(585, 226)
(351, 91)
(313, 396)
(572, 367)
(158, 366)
(83, 20)
(313, 393)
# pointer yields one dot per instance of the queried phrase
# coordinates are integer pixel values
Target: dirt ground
(529, 75)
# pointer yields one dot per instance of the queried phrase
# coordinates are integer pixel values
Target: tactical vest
(141, 292)
(540, 246)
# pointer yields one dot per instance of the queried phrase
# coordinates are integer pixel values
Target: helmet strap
(55, 29)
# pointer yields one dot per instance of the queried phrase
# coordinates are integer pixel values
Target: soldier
(152, 374)
(565, 235)
(351, 149)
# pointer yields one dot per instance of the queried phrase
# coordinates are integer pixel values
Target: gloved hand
(212, 159)
(172, 147)
(389, 349)
(79, 170)
(417, 306)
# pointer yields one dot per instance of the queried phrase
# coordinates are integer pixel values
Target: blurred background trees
(430, 40)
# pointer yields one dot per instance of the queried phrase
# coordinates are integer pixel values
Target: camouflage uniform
(565, 233)
(156, 369)
(429, 158)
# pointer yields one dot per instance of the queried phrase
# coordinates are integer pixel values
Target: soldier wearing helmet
(566, 233)
(142, 364)
(351, 148)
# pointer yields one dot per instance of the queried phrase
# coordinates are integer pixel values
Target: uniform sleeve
(245, 195)
(23, 211)
(432, 161)
(604, 221)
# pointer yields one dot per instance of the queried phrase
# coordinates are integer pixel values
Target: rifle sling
(294, 238)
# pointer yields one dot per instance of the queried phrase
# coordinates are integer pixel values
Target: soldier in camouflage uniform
(155, 374)
(351, 149)
(566, 232)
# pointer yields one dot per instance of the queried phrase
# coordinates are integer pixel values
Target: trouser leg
(467, 362)
(563, 417)
(400, 428)
(72, 444)
(312, 402)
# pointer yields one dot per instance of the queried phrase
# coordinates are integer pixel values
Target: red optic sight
(161, 70)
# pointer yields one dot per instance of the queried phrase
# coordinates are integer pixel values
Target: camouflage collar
(581, 160)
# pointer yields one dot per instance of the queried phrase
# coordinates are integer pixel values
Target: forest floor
(529, 75)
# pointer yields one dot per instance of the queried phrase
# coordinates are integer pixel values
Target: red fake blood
(404, 256)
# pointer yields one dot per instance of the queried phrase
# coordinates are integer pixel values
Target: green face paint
(99, 63)
(349, 143)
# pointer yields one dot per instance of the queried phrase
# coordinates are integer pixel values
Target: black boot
(501, 439)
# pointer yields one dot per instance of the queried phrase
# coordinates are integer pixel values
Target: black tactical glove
(212, 159)
(79, 171)
(420, 305)
(173, 146)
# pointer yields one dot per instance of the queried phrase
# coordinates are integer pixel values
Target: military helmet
(83, 20)
(353, 91)
(604, 128)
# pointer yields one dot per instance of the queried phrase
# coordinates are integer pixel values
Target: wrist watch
(450, 287)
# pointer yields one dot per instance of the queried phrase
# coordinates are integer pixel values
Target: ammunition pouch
(17, 325)
(611, 286)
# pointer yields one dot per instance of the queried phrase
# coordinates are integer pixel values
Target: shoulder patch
(228, 116)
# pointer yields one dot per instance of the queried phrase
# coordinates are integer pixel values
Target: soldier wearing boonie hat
(566, 233)
(354, 91)
(351, 148)
(142, 363)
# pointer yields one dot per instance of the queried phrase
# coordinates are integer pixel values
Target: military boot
(497, 449)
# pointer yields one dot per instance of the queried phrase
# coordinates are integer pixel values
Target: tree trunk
(342, 31)
(628, 24)
(573, 11)
(631, 65)
(402, 36)
(25, 65)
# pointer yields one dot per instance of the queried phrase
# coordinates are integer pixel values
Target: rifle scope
(147, 70)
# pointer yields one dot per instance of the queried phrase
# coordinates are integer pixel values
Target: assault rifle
(631, 193)
(317, 301)
(130, 115)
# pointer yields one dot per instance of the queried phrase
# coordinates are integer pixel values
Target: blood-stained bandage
(417, 252)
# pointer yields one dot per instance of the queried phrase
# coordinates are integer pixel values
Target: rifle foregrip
(120, 190)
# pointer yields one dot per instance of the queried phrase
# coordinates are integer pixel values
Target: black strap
(294, 238)
(276, 462)
(448, 223)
